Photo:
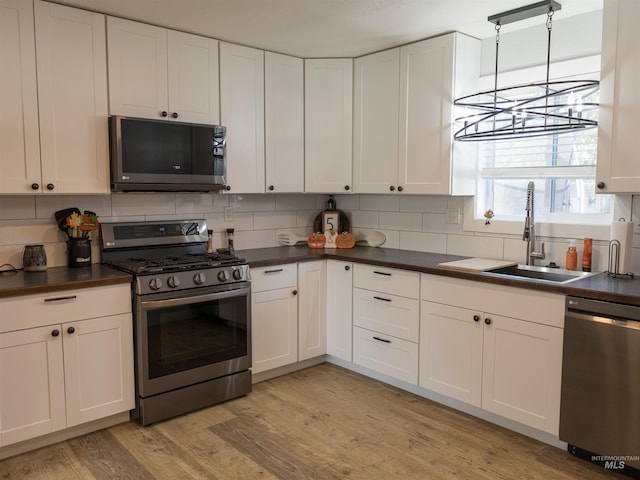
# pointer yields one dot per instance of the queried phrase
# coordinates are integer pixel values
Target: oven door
(203, 335)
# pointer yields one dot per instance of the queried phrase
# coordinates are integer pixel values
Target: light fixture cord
(495, 84)
(546, 97)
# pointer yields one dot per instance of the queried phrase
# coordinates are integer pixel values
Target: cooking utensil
(291, 239)
(66, 212)
(373, 238)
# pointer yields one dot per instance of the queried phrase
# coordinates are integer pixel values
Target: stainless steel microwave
(165, 156)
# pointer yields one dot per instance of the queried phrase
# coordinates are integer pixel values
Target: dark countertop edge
(57, 279)
(596, 287)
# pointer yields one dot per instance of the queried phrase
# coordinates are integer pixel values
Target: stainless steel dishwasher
(600, 401)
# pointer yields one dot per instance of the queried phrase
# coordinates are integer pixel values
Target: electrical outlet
(453, 216)
(227, 214)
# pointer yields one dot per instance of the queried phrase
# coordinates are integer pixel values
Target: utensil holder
(79, 252)
(34, 258)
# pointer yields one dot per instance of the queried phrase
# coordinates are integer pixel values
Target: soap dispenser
(572, 256)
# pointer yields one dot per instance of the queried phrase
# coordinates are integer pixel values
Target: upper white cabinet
(158, 73)
(618, 170)
(65, 150)
(242, 112)
(404, 116)
(328, 125)
(284, 123)
(72, 96)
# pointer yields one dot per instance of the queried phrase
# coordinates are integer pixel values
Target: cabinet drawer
(387, 280)
(388, 314)
(66, 306)
(385, 354)
(273, 278)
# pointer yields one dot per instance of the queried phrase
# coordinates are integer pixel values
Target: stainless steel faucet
(529, 234)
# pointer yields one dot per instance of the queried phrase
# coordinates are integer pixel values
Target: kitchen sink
(543, 274)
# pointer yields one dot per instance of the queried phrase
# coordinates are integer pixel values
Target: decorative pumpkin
(345, 240)
(316, 240)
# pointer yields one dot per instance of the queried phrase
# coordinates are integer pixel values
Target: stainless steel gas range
(192, 316)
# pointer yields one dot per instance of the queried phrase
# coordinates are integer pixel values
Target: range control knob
(237, 274)
(223, 276)
(173, 281)
(199, 278)
(155, 283)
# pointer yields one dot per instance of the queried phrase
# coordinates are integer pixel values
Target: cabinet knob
(487, 321)
(271, 188)
(35, 186)
(346, 187)
(476, 318)
(400, 189)
(55, 333)
(601, 185)
(392, 188)
(227, 187)
(71, 330)
(347, 268)
(50, 186)
(295, 292)
(164, 113)
(174, 115)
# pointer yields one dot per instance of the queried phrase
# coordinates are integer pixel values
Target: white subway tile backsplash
(200, 202)
(423, 242)
(400, 221)
(273, 220)
(17, 207)
(345, 202)
(381, 203)
(255, 239)
(297, 201)
(475, 246)
(240, 221)
(436, 222)
(423, 203)
(143, 203)
(47, 205)
(253, 202)
(364, 219)
(305, 219)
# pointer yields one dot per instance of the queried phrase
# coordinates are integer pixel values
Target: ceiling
(326, 28)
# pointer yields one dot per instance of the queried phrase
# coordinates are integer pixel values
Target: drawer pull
(60, 299)
(277, 270)
(383, 299)
(386, 274)
(382, 339)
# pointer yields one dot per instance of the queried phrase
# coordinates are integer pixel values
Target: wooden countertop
(597, 287)
(56, 279)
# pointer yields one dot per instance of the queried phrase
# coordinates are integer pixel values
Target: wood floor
(324, 422)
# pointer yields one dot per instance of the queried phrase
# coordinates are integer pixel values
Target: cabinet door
(284, 122)
(137, 69)
(72, 92)
(193, 78)
(98, 365)
(426, 83)
(328, 125)
(339, 309)
(522, 369)
(32, 399)
(274, 329)
(242, 112)
(312, 312)
(451, 351)
(375, 122)
(618, 142)
(19, 142)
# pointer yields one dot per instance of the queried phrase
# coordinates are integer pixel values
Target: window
(563, 168)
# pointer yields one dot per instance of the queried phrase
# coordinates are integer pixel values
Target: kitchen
(409, 222)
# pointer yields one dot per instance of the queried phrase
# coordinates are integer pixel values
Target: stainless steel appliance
(159, 155)
(600, 403)
(192, 316)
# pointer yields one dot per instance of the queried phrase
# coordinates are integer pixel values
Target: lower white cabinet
(274, 317)
(495, 351)
(56, 374)
(339, 309)
(312, 309)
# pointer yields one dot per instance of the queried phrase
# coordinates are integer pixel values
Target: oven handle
(195, 298)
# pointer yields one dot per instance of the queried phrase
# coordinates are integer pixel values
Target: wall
(410, 222)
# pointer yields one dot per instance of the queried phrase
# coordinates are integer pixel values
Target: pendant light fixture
(530, 110)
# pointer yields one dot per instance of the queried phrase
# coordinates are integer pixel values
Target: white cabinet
(56, 140)
(242, 112)
(162, 74)
(274, 316)
(72, 96)
(328, 125)
(498, 348)
(339, 309)
(19, 142)
(58, 373)
(618, 170)
(386, 321)
(312, 309)
(284, 123)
